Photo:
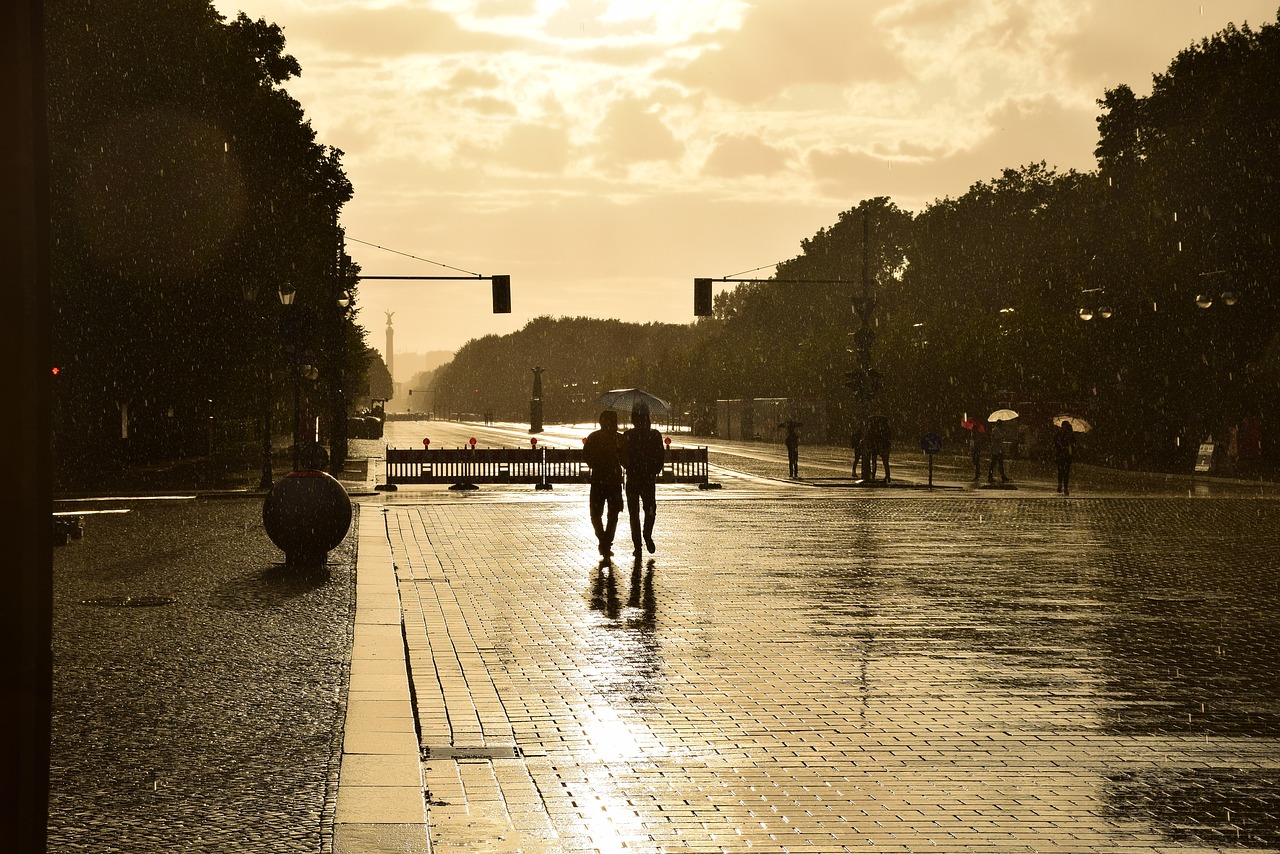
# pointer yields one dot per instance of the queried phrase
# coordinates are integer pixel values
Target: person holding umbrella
(603, 451)
(1001, 422)
(645, 455)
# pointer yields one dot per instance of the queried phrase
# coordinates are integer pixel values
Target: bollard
(306, 514)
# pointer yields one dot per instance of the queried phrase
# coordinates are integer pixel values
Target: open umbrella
(1079, 425)
(1002, 415)
(625, 399)
(970, 424)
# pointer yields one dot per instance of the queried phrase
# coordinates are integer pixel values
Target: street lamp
(535, 402)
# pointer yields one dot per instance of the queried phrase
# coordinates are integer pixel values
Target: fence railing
(522, 465)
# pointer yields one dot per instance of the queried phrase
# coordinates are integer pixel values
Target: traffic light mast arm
(702, 302)
(501, 286)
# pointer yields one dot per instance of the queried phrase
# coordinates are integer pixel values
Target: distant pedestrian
(792, 441)
(645, 455)
(880, 438)
(859, 450)
(977, 447)
(1064, 449)
(998, 433)
(603, 452)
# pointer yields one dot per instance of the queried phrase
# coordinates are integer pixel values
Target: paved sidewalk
(843, 673)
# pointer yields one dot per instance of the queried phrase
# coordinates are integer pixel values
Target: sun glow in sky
(605, 152)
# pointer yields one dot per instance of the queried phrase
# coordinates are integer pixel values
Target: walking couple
(638, 452)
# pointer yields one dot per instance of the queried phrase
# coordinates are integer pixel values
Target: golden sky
(605, 152)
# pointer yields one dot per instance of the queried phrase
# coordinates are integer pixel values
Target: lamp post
(535, 403)
(338, 405)
(287, 295)
(865, 381)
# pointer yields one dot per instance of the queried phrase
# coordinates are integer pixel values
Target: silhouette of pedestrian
(880, 438)
(792, 441)
(998, 433)
(645, 455)
(603, 452)
(859, 449)
(1064, 449)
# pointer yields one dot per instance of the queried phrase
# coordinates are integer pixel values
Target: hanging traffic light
(702, 303)
(501, 294)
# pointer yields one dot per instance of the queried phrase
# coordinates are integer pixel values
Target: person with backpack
(644, 458)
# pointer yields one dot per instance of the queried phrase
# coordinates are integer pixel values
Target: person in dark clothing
(645, 455)
(1064, 449)
(603, 451)
(792, 441)
(998, 433)
(880, 437)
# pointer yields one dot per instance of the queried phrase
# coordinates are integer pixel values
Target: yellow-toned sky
(605, 152)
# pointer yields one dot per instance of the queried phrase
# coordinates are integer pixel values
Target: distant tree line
(581, 358)
(1169, 248)
(188, 189)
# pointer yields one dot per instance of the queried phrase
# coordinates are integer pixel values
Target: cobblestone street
(848, 674)
(198, 686)
(795, 669)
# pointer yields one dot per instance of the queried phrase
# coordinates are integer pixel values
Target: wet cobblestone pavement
(847, 674)
(198, 686)
(796, 669)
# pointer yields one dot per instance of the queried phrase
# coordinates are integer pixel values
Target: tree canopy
(187, 188)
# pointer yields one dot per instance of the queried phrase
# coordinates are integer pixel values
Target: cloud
(781, 45)
(736, 156)
(1017, 132)
(1103, 51)
(489, 106)
(536, 148)
(470, 78)
(506, 8)
(392, 31)
(632, 133)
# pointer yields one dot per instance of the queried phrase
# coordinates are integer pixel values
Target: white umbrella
(1079, 425)
(625, 399)
(1002, 415)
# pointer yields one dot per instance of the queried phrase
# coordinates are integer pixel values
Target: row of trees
(188, 189)
(1169, 247)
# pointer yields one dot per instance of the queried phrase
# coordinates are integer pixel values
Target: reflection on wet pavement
(852, 674)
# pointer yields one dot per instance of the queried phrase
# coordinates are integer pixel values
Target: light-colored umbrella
(1079, 425)
(1002, 415)
(625, 399)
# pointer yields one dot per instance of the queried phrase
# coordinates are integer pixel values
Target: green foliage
(187, 186)
(581, 357)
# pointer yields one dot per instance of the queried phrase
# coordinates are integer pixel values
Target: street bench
(461, 466)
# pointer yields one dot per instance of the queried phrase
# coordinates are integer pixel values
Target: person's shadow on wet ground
(604, 591)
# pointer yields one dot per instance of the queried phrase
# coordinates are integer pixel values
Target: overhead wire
(414, 257)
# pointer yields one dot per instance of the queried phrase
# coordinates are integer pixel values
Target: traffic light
(702, 298)
(501, 294)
